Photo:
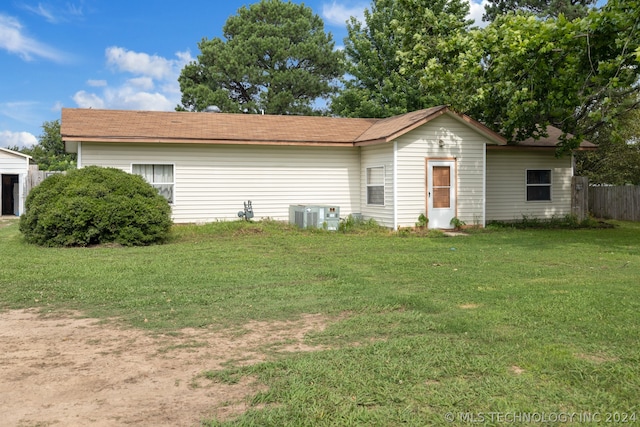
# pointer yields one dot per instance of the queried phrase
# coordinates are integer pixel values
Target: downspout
(79, 156)
(484, 186)
(395, 185)
(22, 189)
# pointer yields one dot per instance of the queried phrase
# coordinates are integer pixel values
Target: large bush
(95, 205)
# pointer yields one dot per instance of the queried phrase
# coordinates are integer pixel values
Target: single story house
(14, 171)
(434, 162)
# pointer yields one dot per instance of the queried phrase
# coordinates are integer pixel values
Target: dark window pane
(538, 177)
(541, 192)
(375, 195)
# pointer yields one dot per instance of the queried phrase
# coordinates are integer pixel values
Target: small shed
(14, 172)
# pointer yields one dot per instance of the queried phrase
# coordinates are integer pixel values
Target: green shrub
(355, 224)
(95, 205)
(565, 222)
(423, 221)
(457, 223)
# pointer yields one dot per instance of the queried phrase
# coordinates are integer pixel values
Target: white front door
(441, 193)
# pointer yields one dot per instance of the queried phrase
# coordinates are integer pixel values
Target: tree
(49, 153)
(275, 57)
(521, 73)
(380, 83)
(374, 86)
(617, 159)
(571, 9)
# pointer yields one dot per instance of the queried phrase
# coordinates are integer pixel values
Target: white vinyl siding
(460, 142)
(378, 156)
(507, 185)
(13, 163)
(213, 181)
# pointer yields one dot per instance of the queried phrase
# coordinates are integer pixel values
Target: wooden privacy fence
(35, 177)
(615, 202)
(580, 197)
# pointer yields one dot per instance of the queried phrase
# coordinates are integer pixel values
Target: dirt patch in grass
(469, 306)
(517, 370)
(73, 371)
(596, 358)
(8, 220)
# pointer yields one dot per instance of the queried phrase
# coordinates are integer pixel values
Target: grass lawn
(501, 323)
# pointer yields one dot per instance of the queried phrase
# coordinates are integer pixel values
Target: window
(375, 186)
(539, 185)
(160, 176)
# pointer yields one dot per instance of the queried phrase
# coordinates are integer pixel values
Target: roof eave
(535, 147)
(134, 140)
(372, 142)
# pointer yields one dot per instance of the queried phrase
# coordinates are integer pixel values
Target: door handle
(429, 194)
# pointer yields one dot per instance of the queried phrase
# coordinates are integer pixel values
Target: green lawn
(503, 322)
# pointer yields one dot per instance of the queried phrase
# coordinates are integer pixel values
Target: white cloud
(43, 11)
(172, 90)
(21, 111)
(184, 58)
(154, 88)
(75, 10)
(13, 40)
(20, 139)
(97, 83)
(125, 97)
(338, 14)
(143, 83)
(476, 10)
(88, 100)
(55, 15)
(140, 63)
(139, 100)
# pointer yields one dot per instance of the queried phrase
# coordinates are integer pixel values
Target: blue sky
(112, 54)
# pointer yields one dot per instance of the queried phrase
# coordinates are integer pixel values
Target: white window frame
(375, 185)
(549, 184)
(154, 184)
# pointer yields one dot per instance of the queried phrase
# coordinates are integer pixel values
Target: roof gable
(390, 128)
(15, 153)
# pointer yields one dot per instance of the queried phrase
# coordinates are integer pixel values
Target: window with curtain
(538, 185)
(375, 185)
(159, 176)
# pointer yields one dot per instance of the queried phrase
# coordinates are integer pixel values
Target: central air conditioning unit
(315, 216)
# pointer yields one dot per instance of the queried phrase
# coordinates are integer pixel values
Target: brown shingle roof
(211, 128)
(154, 126)
(548, 142)
(387, 129)
(552, 140)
